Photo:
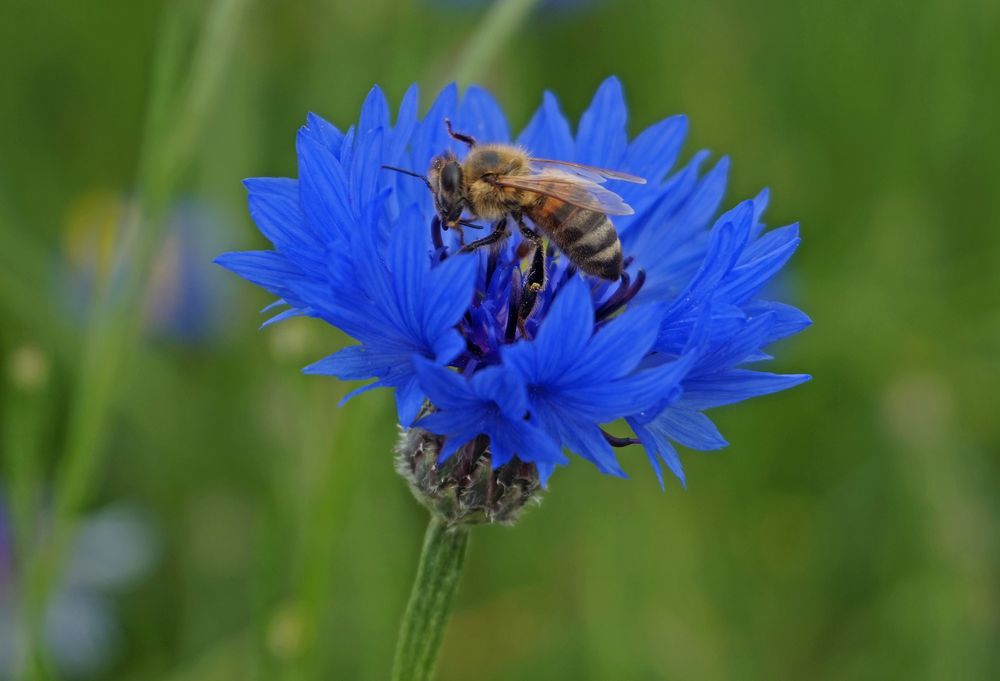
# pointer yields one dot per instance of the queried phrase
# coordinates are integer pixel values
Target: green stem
(430, 601)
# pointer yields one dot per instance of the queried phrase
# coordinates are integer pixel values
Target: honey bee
(564, 200)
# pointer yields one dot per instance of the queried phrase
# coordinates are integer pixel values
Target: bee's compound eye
(451, 177)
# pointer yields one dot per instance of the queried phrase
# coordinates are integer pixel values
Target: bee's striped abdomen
(587, 237)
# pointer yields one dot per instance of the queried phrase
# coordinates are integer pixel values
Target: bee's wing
(599, 175)
(569, 188)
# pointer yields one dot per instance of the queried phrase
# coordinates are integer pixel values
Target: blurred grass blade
(24, 263)
(26, 398)
(113, 321)
(25, 405)
(493, 33)
(208, 66)
(169, 142)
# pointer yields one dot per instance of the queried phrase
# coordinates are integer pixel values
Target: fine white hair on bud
(466, 489)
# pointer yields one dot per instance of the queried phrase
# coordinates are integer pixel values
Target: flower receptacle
(465, 489)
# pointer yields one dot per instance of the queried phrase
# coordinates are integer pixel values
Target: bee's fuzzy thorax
(496, 159)
(485, 199)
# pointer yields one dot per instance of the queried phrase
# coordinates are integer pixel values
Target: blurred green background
(851, 529)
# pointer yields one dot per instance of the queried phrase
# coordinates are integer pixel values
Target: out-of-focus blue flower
(112, 549)
(361, 249)
(185, 300)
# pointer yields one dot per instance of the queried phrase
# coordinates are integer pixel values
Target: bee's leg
(533, 285)
(467, 139)
(528, 233)
(436, 234)
(461, 225)
(499, 233)
(535, 282)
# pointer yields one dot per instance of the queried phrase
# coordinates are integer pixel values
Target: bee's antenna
(412, 174)
(467, 139)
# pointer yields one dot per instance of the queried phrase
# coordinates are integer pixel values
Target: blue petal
(325, 133)
(347, 150)
(454, 442)
(664, 242)
(323, 191)
(409, 399)
(406, 123)
(724, 320)
(545, 471)
(658, 446)
(370, 280)
(735, 386)
(351, 363)
(642, 391)
(691, 428)
(527, 442)
(722, 253)
(445, 388)
(448, 346)
(762, 261)
(374, 112)
(548, 134)
(480, 116)
(430, 137)
(760, 205)
(704, 202)
(580, 434)
(430, 302)
(449, 294)
(727, 239)
(671, 375)
(271, 307)
(270, 271)
(359, 391)
(448, 422)
(564, 333)
(655, 150)
(738, 347)
(274, 208)
(288, 314)
(365, 168)
(409, 264)
(588, 441)
(786, 320)
(602, 138)
(617, 348)
(504, 388)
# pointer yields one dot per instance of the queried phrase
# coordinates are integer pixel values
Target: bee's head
(448, 185)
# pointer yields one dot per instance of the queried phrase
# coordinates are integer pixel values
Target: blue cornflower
(362, 248)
